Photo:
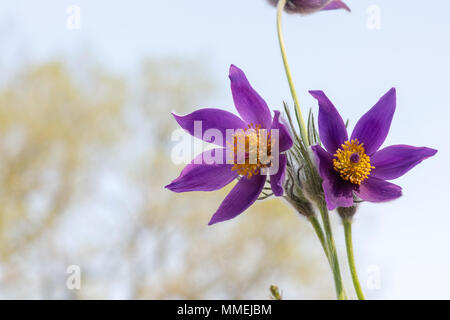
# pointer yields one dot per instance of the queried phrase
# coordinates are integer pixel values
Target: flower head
(311, 6)
(355, 165)
(239, 155)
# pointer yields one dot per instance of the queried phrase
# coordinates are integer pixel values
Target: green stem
(298, 112)
(351, 257)
(318, 229)
(340, 291)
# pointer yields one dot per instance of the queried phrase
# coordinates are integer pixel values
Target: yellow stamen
(352, 162)
(247, 142)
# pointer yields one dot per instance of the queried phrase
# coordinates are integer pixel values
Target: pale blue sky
(333, 51)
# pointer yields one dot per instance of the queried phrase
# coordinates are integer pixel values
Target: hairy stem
(298, 112)
(351, 258)
(340, 291)
(318, 229)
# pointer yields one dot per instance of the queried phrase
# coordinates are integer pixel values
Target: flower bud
(300, 186)
(347, 213)
(275, 293)
(296, 188)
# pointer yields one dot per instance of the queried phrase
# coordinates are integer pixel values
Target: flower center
(251, 150)
(352, 162)
(355, 157)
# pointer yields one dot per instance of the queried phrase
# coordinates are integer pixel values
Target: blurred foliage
(48, 122)
(84, 158)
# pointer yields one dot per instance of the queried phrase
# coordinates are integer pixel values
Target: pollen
(352, 163)
(254, 146)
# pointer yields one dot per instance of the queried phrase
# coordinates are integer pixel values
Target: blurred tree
(49, 123)
(84, 160)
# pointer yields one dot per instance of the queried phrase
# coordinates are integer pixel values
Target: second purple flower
(356, 165)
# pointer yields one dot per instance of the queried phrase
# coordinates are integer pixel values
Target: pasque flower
(254, 125)
(356, 166)
(311, 6)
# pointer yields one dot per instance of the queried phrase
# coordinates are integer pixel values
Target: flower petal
(373, 127)
(277, 180)
(394, 161)
(310, 6)
(283, 133)
(338, 192)
(242, 196)
(378, 190)
(201, 176)
(249, 104)
(332, 129)
(210, 118)
(336, 4)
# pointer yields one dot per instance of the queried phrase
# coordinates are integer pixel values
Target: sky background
(403, 243)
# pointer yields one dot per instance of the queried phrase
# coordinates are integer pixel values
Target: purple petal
(277, 180)
(338, 192)
(249, 104)
(311, 6)
(283, 133)
(332, 129)
(394, 161)
(336, 4)
(200, 176)
(373, 127)
(242, 196)
(377, 190)
(210, 118)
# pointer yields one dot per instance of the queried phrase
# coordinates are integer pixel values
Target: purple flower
(356, 165)
(311, 6)
(255, 121)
